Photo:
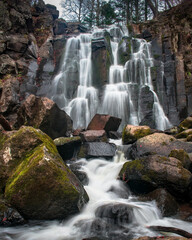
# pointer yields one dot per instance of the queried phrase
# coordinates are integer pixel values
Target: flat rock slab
(104, 122)
(93, 136)
(97, 149)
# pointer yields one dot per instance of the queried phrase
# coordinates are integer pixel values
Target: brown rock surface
(104, 122)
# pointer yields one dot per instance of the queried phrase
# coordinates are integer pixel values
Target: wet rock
(68, 147)
(124, 50)
(117, 213)
(44, 114)
(41, 185)
(80, 174)
(132, 133)
(9, 216)
(10, 95)
(157, 143)
(148, 173)
(93, 136)
(165, 201)
(146, 106)
(97, 149)
(104, 122)
(101, 62)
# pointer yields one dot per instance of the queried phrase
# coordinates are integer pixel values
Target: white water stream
(124, 83)
(103, 189)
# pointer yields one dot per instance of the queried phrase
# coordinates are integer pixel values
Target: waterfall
(74, 92)
(105, 191)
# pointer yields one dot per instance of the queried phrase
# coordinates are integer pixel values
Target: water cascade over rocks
(122, 96)
(111, 213)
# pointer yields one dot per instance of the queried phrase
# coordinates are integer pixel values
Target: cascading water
(105, 192)
(122, 95)
(77, 57)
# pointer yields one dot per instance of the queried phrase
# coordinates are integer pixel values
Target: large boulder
(40, 186)
(148, 173)
(132, 133)
(157, 143)
(104, 122)
(68, 146)
(43, 113)
(97, 149)
(164, 200)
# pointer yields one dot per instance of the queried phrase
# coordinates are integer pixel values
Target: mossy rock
(133, 133)
(148, 173)
(184, 134)
(185, 124)
(183, 157)
(41, 185)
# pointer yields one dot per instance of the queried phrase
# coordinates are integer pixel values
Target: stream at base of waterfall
(112, 211)
(121, 96)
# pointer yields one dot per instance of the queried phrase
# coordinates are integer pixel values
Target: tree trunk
(172, 230)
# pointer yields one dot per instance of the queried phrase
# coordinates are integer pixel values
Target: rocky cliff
(171, 39)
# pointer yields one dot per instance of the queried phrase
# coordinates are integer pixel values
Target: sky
(56, 3)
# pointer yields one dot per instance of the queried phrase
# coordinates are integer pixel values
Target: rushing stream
(108, 197)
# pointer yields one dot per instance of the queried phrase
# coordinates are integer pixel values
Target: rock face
(132, 133)
(39, 184)
(171, 43)
(44, 114)
(148, 173)
(157, 143)
(104, 122)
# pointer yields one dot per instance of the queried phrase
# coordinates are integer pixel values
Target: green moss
(82, 152)
(3, 138)
(128, 137)
(64, 140)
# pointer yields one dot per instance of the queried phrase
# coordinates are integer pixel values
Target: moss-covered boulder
(132, 133)
(148, 173)
(157, 143)
(39, 185)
